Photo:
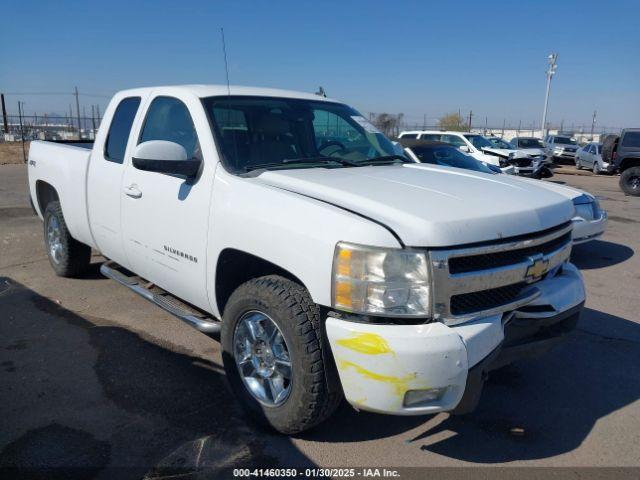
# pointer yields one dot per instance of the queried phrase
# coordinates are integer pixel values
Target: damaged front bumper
(432, 367)
(587, 230)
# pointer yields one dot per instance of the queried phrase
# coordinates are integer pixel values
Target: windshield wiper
(385, 159)
(303, 161)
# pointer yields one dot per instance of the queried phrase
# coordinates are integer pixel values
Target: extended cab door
(104, 177)
(165, 217)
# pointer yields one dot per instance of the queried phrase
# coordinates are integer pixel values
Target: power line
(100, 95)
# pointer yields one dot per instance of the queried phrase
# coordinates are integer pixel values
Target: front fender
(292, 231)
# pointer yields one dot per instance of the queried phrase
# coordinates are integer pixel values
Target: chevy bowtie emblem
(537, 268)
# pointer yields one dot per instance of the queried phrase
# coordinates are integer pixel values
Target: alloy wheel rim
(54, 239)
(635, 182)
(262, 358)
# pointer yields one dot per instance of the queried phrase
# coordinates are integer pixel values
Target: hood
(534, 151)
(565, 191)
(505, 152)
(428, 205)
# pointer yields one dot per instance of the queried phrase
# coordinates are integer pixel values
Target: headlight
(380, 281)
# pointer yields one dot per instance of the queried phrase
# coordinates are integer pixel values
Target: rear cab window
(631, 140)
(120, 128)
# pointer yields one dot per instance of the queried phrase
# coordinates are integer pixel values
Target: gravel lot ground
(93, 376)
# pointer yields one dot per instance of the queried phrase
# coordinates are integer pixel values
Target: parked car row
(332, 264)
(504, 156)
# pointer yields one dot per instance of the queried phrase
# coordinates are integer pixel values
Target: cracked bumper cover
(378, 364)
(586, 230)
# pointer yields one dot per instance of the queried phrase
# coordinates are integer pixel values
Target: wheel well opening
(628, 163)
(45, 193)
(236, 267)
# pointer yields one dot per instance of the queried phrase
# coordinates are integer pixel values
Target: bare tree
(452, 121)
(387, 123)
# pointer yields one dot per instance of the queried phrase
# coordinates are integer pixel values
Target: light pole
(553, 59)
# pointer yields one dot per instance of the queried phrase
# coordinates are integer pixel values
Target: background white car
(590, 156)
(533, 146)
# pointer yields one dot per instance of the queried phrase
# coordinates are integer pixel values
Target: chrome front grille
(492, 278)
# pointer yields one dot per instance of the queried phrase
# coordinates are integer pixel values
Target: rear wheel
(630, 181)
(67, 256)
(273, 355)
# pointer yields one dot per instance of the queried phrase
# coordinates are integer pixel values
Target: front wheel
(578, 164)
(67, 256)
(630, 181)
(273, 356)
(596, 168)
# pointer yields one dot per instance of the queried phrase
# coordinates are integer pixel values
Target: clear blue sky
(402, 56)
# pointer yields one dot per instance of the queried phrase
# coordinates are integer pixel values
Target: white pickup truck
(330, 265)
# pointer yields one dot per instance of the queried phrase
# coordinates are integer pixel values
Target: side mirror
(464, 148)
(164, 157)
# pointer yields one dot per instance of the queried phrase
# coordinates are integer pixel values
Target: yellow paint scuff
(401, 384)
(367, 343)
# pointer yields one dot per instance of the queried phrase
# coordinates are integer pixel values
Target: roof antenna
(226, 66)
(321, 92)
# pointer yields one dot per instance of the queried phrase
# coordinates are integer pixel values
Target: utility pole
(424, 121)
(504, 121)
(4, 114)
(485, 125)
(93, 120)
(20, 110)
(470, 116)
(519, 126)
(78, 114)
(553, 65)
(593, 123)
(98, 113)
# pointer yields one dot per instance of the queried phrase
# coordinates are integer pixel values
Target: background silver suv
(561, 147)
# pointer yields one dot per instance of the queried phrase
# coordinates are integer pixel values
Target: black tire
(596, 168)
(578, 164)
(73, 257)
(314, 393)
(630, 181)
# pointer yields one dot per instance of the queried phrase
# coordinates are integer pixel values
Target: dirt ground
(11, 152)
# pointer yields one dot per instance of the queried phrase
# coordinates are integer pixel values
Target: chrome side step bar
(162, 299)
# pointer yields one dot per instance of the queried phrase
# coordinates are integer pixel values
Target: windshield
(479, 141)
(448, 156)
(266, 132)
(530, 143)
(498, 142)
(565, 141)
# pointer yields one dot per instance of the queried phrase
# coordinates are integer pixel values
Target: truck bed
(63, 166)
(88, 144)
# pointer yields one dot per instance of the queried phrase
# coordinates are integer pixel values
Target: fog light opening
(418, 398)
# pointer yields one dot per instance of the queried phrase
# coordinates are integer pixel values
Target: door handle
(132, 191)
